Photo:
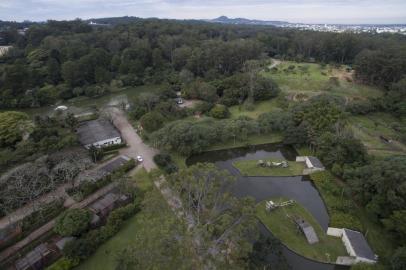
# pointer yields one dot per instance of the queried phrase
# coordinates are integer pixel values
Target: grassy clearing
(260, 108)
(145, 221)
(251, 168)
(279, 222)
(311, 79)
(252, 140)
(369, 130)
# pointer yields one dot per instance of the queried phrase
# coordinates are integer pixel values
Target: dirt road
(135, 144)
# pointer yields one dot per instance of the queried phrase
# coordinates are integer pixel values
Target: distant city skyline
(295, 11)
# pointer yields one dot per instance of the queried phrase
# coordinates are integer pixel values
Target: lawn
(259, 108)
(309, 79)
(369, 130)
(251, 168)
(279, 222)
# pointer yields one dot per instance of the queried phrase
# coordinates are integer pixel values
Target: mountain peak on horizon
(226, 20)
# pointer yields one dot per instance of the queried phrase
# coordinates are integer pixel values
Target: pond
(299, 188)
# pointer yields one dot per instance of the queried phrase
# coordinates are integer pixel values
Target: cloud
(335, 11)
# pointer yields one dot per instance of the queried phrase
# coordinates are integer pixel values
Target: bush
(63, 264)
(152, 121)
(37, 218)
(73, 222)
(219, 111)
(343, 220)
(164, 161)
(82, 248)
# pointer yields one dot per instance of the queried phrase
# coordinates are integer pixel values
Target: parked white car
(140, 159)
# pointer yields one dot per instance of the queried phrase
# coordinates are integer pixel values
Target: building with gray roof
(35, 259)
(357, 246)
(307, 230)
(98, 133)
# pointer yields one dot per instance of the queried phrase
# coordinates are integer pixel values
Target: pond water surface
(298, 188)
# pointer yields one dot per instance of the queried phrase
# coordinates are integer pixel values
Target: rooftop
(96, 130)
(316, 162)
(307, 230)
(33, 257)
(360, 244)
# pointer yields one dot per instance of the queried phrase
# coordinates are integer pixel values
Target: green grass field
(260, 108)
(279, 222)
(369, 129)
(251, 168)
(310, 79)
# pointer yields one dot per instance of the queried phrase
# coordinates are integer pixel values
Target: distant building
(313, 164)
(356, 245)
(4, 50)
(35, 259)
(98, 133)
(307, 230)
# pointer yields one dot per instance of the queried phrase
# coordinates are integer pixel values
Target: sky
(304, 11)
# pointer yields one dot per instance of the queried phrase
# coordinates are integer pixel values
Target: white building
(99, 133)
(356, 245)
(313, 164)
(4, 50)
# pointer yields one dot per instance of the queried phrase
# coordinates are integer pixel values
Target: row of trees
(66, 59)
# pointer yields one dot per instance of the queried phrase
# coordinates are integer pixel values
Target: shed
(105, 205)
(61, 243)
(98, 133)
(35, 259)
(307, 230)
(357, 246)
(313, 164)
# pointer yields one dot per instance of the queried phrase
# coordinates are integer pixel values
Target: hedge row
(89, 187)
(35, 220)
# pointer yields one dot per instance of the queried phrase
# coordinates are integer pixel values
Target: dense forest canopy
(64, 59)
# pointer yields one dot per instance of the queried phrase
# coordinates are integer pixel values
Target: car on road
(140, 159)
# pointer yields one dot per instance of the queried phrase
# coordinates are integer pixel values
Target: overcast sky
(308, 11)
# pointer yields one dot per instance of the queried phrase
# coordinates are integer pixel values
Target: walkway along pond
(298, 188)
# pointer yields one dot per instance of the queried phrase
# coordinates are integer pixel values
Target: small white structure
(99, 133)
(4, 49)
(356, 245)
(313, 164)
(61, 108)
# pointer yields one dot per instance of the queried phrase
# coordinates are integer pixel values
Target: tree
(220, 224)
(267, 254)
(13, 125)
(219, 111)
(397, 223)
(398, 261)
(152, 121)
(73, 222)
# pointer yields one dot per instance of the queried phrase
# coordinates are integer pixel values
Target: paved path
(137, 147)
(135, 144)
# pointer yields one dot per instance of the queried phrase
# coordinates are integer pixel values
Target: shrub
(164, 161)
(63, 264)
(152, 121)
(73, 222)
(343, 220)
(219, 111)
(37, 218)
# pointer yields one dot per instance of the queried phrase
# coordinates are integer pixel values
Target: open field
(373, 129)
(251, 168)
(280, 223)
(260, 108)
(303, 80)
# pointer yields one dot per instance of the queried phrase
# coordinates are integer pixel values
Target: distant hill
(226, 20)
